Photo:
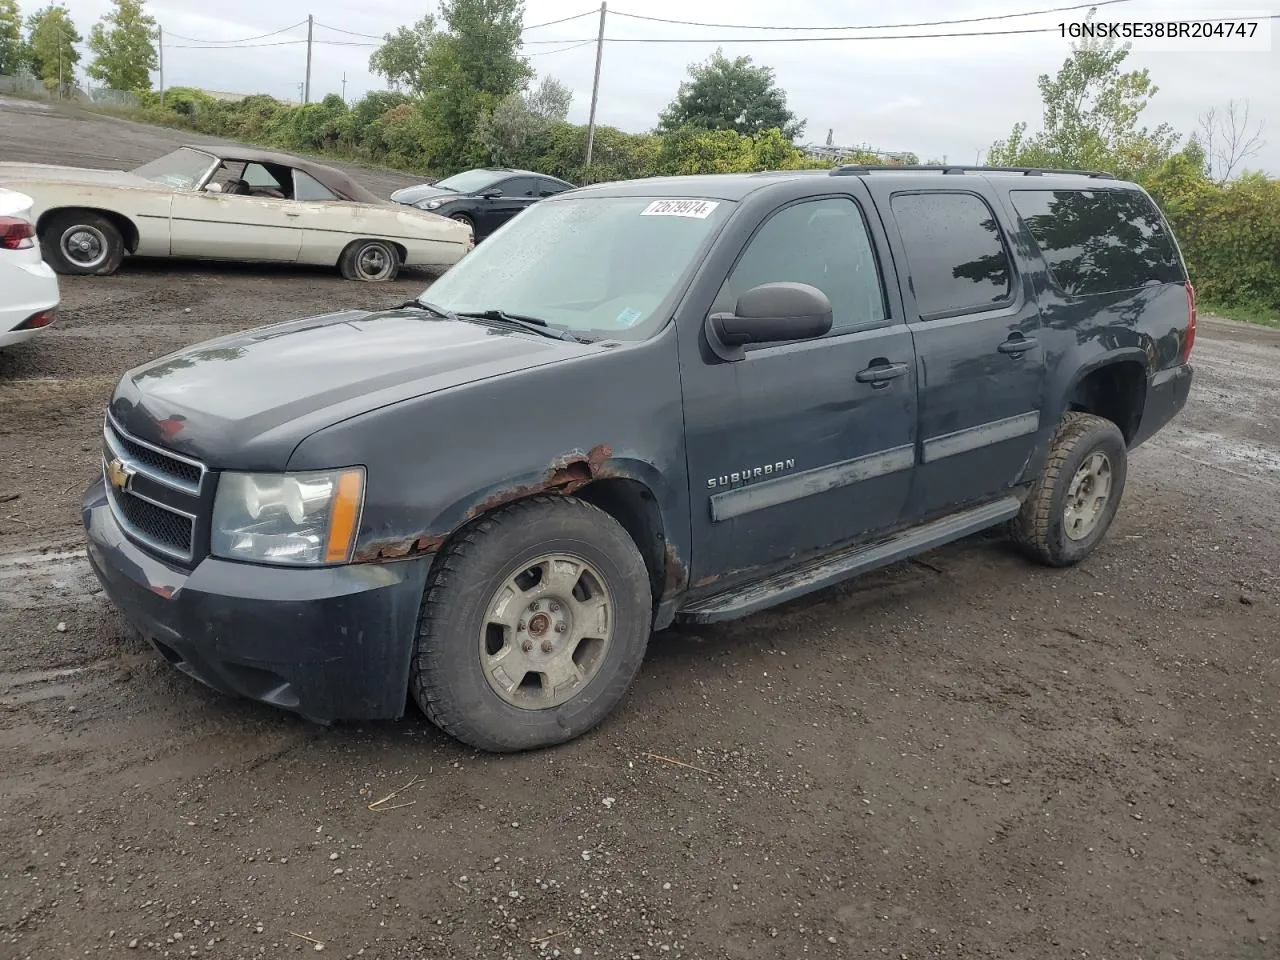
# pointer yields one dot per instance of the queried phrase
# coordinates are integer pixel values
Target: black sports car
(484, 199)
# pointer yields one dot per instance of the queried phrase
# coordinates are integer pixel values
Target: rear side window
(956, 254)
(1099, 241)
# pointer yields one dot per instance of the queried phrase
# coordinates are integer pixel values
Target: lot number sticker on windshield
(697, 209)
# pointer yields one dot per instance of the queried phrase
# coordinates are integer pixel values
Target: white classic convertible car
(229, 204)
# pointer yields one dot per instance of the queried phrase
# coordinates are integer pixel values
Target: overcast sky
(944, 96)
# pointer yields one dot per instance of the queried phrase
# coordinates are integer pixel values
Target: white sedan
(229, 204)
(29, 293)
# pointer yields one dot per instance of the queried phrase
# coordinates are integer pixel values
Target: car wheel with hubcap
(534, 624)
(81, 243)
(1075, 498)
(373, 261)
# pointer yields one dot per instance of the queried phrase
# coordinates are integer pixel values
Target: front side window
(601, 266)
(823, 243)
(1099, 241)
(956, 255)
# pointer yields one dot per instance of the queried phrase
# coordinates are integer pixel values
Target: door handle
(879, 374)
(1017, 345)
(293, 213)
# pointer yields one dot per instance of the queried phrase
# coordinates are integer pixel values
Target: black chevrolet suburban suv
(672, 399)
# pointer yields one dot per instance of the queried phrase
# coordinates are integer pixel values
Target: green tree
(13, 54)
(472, 65)
(519, 118)
(402, 58)
(124, 47)
(724, 94)
(51, 47)
(1091, 118)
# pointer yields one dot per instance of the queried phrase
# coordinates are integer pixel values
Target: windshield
(594, 265)
(469, 181)
(182, 169)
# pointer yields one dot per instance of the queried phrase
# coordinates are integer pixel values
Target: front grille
(155, 494)
(155, 523)
(162, 463)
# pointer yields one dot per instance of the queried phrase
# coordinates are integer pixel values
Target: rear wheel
(373, 261)
(1075, 498)
(534, 625)
(81, 243)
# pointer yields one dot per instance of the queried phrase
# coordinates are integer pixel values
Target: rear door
(799, 446)
(976, 327)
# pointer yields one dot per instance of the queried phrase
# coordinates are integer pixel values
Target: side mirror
(213, 188)
(491, 194)
(771, 313)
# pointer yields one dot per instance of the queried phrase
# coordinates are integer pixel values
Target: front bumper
(332, 643)
(1166, 396)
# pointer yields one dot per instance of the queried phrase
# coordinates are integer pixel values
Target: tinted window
(1097, 241)
(256, 175)
(823, 243)
(307, 187)
(957, 257)
(547, 188)
(519, 187)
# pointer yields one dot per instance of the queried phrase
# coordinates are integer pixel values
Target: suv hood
(245, 401)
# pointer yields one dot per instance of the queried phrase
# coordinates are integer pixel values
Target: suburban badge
(751, 473)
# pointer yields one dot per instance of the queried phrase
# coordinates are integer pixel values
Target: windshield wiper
(534, 324)
(439, 311)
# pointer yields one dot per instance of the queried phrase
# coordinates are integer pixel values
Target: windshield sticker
(697, 209)
(628, 317)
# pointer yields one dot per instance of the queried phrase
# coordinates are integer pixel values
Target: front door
(976, 326)
(802, 445)
(234, 226)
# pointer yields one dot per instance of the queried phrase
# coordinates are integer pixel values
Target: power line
(576, 16)
(873, 26)
(262, 36)
(353, 33)
(572, 46)
(247, 46)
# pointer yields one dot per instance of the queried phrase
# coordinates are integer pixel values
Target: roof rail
(858, 169)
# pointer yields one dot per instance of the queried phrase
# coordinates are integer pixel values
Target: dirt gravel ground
(964, 756)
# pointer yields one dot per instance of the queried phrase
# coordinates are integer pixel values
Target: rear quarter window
(1099, 241)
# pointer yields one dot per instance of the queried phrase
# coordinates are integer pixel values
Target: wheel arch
(128, 229)
(1113, 387)
(400, 248)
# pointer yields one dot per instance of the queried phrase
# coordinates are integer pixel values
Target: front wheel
(81, 243)
(373, 261)
(533, 627)
(1075, 498)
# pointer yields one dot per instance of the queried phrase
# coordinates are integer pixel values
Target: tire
(373, 261)
(81, 243)
(1053, 527)
(463, 655)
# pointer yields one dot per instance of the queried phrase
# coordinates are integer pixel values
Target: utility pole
(59, 71)
(595, 87)
(160, 50)
(344, 86)
(306, 96)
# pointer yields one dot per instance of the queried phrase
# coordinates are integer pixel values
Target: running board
(837, 567)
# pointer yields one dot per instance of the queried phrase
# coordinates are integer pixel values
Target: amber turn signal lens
(345, 516)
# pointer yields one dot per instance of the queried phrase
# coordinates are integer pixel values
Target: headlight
(299, 519)
(432, 204)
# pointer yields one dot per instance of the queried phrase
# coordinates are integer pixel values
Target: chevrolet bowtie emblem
(118, 474)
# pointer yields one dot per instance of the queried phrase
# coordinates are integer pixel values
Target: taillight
(1191, 323)
(38, 320)
(16, 234)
